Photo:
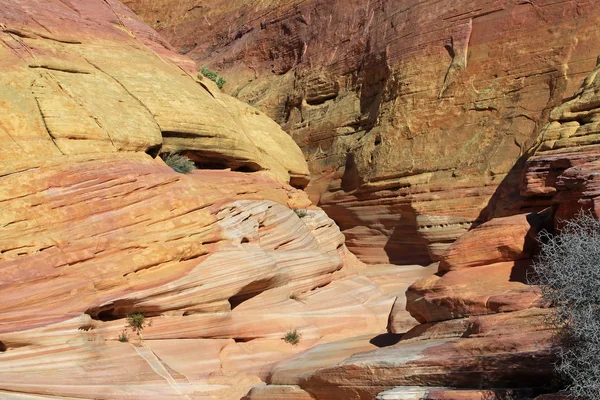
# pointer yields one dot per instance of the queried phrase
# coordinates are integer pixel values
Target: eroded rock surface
(564, 168)
(90, 77)
(94, 226)
(412, 114)
(483, 331)
(215, 260)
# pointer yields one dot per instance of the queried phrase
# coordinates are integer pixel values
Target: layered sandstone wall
(413, 115)
(94, 226)
(484, 331)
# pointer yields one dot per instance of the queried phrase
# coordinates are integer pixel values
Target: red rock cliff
(94, 226)
(411, 113)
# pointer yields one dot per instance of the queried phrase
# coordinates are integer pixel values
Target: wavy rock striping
(215, 260)
(412, 114)
(222, 267)
(93, 229)
(65, 76)
(483, 331)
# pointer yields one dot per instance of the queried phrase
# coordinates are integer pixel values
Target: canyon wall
(94, 226)
(414, 115)
(483, 332)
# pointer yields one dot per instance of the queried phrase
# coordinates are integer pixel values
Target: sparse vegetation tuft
(213, 76)
(301, 213)
(123, 337)
(568, 272)
(137, 322)
(292, 337)
(179, 163)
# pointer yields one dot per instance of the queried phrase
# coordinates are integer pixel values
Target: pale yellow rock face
(85, 78)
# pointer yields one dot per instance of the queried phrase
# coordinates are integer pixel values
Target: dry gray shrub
(568, 272)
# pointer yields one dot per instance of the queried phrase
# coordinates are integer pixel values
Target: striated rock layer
(90, 77)
(412, 114)
(94, 226)
(216, 261)
(483, 330)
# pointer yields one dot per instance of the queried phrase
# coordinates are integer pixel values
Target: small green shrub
(179, 163)
(123, 337)
(292, 337)
(301, 213)
(137, 322)
(213, 76)
(209, 73)
(294, 296)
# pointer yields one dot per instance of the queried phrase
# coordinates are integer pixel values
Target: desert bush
(568, 272)
(123, 337)
(137, 322)
(292, 337)
(213, 76)
(179, 163)
(209, 73)
(301, 213)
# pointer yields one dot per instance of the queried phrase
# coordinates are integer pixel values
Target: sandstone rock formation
(564, 168)
(412, 114)
(215, 260)
(94, 226)
(69, 66)
(483, 331)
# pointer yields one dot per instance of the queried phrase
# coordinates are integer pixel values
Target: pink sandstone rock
(215, 260)
(501, 350)
(489, 289)
(415, 117)
(499, 240)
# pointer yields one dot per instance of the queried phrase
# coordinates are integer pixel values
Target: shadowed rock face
(483, 332)
(412, 114)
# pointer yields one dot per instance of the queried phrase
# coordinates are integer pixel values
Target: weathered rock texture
(411, 113)
(482, 327)
(564, 168)
(90, 77)
(215, 260)
(483, 332)
(94, 226)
